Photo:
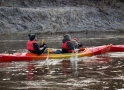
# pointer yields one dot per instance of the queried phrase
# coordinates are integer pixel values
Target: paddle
(48, 52)
(42, 41)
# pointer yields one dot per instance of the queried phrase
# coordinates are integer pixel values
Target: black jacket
(37, 49)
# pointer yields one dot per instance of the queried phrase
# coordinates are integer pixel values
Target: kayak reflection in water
(33, 46)
(69, 44)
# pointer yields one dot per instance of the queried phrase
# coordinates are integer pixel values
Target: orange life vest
(29, 45)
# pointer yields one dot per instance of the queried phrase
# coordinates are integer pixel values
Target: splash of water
(74, 62)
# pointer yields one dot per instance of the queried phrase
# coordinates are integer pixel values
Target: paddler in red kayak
(69, 44)
(33, 46)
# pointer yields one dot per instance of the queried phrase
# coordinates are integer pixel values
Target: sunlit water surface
(99, 72)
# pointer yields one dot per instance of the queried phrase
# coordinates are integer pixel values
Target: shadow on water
(99, 72)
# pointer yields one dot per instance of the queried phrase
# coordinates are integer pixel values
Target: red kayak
(117, 48)
(30, 56)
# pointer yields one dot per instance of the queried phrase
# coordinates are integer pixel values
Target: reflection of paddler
(65, 66)
(30, 72)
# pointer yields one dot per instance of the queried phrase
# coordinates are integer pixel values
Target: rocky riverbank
(15, 18)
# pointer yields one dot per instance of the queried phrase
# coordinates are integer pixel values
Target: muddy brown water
(99, 72)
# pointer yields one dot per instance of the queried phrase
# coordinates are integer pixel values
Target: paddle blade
(42, 42)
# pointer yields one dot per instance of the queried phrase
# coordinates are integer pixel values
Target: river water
(99, 72)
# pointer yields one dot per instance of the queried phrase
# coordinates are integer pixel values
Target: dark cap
(67, 36)
(31, 36)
